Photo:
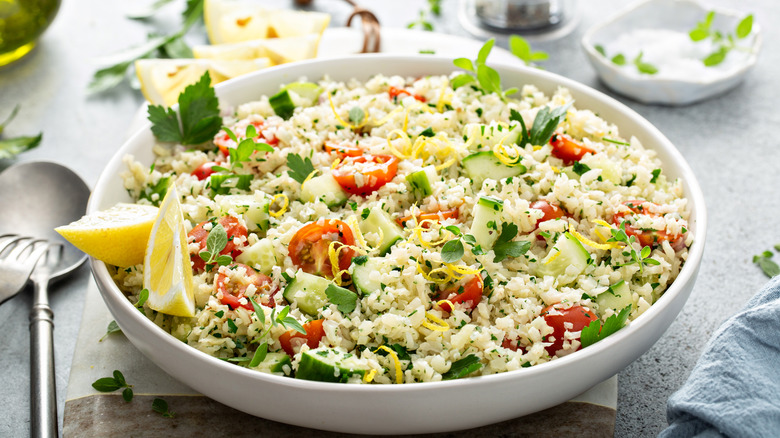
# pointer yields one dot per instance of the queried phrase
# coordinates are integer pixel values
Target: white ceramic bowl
(419, 407)
(677, 15)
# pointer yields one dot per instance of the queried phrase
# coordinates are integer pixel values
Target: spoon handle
(43, 401)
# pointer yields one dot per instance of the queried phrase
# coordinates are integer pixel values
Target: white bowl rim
(686, 275)
(589, 47)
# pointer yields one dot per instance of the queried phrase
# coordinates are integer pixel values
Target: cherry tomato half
(309, 246)
(365, 174)
(204, 170)
(645, 237)
(469, 294)
(292, 340)
(344, 149)
(551, 211)
(233, 292)
(233, 228)
(394, 92)
(436, 216)
(567, 149)
(557, 317)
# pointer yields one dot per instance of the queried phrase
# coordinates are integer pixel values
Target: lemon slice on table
(233, 21)
(279, 50)
(116, 236)
(162, 80)
(167, 268)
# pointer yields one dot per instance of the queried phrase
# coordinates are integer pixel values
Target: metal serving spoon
(39, 196)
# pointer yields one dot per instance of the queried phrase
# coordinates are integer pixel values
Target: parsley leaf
(344, 299)
(300, 168)
(462, 368)
(505, 247)
(198, 111)
(546, 122)
(595, 331)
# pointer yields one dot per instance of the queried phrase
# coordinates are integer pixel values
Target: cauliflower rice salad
(413, 231)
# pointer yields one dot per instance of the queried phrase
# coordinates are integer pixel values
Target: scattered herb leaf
(344, 299)
(595, 331)
(300, 168)
(462, 367)
(161, 407)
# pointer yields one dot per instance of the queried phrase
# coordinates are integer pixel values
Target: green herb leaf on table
(595, 331)
(300, 168)
(143, 14)
(767, 265)
(176, 48)
(462, 367)
(111, 384)
(112, 328)
(344, 299)
(10, 117)
(161, 407)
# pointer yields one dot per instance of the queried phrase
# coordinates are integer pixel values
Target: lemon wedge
(116, 236)
(167, 268)
(279, 50)
(162, 80)
(233, 21)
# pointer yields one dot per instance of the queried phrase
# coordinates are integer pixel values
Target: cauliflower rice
(427, 124)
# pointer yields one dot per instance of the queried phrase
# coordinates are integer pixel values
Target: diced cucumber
(361, 275)
(487, 220)
(483, 165)
(275, 363)
(567, 253)
(610, 171)
(617, 297)
(325, 188)
(330, 365)
(307, 291)
(254, 210)
(422, 180)
(260, 255)
(282, 104)
(514, 135)
(378, 220)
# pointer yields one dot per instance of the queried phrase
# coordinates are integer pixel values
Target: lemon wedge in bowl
(232, 21)
(116, 236)
(167, 268)
(162, 80)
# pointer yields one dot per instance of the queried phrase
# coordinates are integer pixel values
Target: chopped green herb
(656, 174)
(580, 168)
(462, 368)
(300, 168)
(427, 133)
(505, 247)
(356, 115)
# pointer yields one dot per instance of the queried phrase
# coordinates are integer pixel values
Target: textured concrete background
(729, 141)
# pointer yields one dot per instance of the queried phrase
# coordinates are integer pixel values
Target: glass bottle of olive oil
(21, 23)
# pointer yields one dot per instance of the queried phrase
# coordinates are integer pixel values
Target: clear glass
(21, 23)
(519, 14)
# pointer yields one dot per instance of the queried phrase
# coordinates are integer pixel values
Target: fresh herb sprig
(423, 19)
(595, 331)
(112, 328)
(12, 147)
(453, 250)
(520, 47)
(300, 168)
(215, 243)
(641, 258)
(198, 119)
(279, 316)
(765, 262)
(643, 67)
(487, 78)
(545, 124)
(725, 42)
(111, 384)
(245, 147)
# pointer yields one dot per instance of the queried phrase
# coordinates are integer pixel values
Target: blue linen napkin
(734, 389)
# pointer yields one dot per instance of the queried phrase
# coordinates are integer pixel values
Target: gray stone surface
(729, 141)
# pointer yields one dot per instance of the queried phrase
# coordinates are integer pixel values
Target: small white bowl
(675, 15)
